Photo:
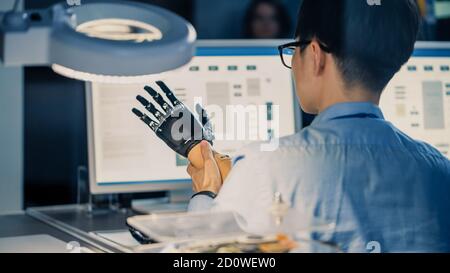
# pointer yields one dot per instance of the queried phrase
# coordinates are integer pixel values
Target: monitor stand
(177, 201)
(174, 201)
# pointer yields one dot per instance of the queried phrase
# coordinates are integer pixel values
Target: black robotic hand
(174, 123)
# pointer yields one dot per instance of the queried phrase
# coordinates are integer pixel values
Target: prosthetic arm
(178, 128)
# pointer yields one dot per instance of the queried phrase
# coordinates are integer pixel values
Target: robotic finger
(146, 119)
(151, 108)
(168, 93)
(158, 98)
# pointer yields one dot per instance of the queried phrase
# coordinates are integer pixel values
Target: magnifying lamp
(98, 41)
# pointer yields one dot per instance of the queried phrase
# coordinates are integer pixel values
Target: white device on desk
(417, 100)
(125, 156)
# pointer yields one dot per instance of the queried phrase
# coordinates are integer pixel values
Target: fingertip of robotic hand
(137, 112)
(150, 90)
(164, 87)
(142, 100)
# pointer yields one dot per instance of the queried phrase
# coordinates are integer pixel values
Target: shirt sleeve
(247, 192)
(200, 203)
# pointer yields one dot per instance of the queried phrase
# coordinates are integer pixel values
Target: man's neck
(338, 95)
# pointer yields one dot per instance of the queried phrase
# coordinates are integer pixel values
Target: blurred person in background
(267, 19)
(435, 20)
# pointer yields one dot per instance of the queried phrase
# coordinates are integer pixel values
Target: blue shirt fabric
(353, 168)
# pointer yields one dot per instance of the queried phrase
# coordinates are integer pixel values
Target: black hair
(369, 42)
(282, 17)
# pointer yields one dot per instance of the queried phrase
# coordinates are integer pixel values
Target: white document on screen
(128, 151)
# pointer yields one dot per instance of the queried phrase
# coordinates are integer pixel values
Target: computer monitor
(126, 156)
(417, 100)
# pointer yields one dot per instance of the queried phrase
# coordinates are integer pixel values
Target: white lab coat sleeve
(248, 192)
(200, 203)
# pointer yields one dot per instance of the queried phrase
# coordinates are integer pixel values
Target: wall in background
(183, 8)
(11, 134)
(223, 19)
(213, 19)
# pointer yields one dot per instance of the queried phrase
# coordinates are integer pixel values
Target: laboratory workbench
(100, 230)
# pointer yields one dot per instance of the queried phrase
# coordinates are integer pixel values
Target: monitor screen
(417, 100)
(126, 156)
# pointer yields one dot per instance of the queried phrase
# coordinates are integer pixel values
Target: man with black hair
(351, 167)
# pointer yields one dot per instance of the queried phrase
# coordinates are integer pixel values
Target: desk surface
(79, 217)
(74, 223)
(24, 225)
(81, 223)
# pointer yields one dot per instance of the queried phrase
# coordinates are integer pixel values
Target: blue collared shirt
(353, 168)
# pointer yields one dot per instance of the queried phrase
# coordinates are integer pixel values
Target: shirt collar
(349, 109)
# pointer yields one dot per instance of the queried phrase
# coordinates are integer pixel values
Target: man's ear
(319, 57)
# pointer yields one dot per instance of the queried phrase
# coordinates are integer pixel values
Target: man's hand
(224, 162)
(207, 178)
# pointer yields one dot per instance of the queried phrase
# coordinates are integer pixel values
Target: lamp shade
(102, 41)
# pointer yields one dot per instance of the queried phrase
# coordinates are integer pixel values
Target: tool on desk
(139, 236)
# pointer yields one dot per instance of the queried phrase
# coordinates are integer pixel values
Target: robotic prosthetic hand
(178, 128)
(175, 124)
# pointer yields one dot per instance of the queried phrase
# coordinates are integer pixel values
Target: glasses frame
(302, 45)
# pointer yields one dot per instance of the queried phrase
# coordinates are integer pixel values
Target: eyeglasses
(287, 51)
